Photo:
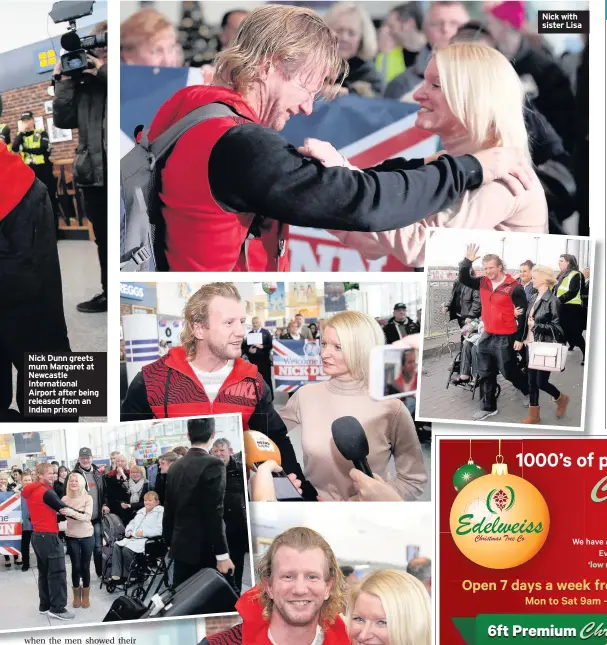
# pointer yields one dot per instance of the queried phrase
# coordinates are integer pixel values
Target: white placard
(48, 107)
(254, 338)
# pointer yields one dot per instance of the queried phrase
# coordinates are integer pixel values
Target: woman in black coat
(543, 326)
(357, 42)
(569, 289)
(117, 495)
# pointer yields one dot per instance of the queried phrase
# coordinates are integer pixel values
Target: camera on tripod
(75, 61)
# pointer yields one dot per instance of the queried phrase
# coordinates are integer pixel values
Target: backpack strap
(162, 145)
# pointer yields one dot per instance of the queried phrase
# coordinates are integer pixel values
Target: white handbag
(547, 357)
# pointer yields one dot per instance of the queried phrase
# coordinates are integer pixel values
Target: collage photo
(267, 252)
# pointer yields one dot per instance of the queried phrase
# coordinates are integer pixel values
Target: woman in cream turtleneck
(346, 343)
(473, 99)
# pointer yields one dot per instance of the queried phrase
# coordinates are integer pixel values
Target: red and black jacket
(168, 387)
(43, 504)
(254, 628)
(498, 304)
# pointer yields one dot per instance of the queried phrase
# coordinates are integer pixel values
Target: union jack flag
(296, 362)
(10, 524)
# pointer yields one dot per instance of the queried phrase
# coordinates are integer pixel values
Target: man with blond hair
(300, 595)
(206, 375)
(232, 186)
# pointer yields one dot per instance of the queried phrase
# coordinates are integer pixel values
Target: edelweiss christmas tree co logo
(499, 521)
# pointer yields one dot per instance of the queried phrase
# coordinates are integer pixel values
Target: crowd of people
(210, 371)
(387, 606)
(501, 315)
(193, 498)
(488, 88)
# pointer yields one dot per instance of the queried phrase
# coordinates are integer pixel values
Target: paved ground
(438, 403)
(81, 281)
(20, 606)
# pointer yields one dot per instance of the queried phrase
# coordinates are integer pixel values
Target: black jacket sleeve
(252, 169)
(475, 307)
(551, 329)
(65, 105)
(265, 419)
(574, 288)
(267, 342)
(168, 517)
(18, 142)
(399, 163)
(465, 278)
(212, 491)
(5, 135)
(519, 298)
(135, 406)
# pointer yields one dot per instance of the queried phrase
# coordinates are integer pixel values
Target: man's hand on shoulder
(510, 165)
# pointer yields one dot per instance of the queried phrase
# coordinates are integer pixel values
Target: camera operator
(80, 102)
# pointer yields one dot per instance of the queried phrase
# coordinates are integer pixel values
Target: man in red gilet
(503, 335)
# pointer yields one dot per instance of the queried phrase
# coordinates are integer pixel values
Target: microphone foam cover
(258, 447)
(350, 438)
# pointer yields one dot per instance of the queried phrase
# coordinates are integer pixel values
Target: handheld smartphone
(392, 372)
(284, 488)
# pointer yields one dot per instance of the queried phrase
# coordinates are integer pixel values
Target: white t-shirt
(212, 381)
(496, 284)
(319, 639)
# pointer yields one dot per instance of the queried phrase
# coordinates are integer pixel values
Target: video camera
(74, 61)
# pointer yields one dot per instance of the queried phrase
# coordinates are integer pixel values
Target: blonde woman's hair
(142, 27)
(301, 539)
(484, 93)
(294, 38)
(81, 484)
(358, 333)
(152, 494)
(138, 469)
(405, 601)
(121, 457)
(547, 272)
(197, 311)
(367, 50)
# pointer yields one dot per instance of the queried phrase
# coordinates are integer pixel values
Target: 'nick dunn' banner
(296, 362)
(367, 131)
(523, 534)
(10, 524)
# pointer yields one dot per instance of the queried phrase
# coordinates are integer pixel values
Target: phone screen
(400, 371)
(284, 489)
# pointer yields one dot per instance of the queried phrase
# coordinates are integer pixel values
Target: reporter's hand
(510, 165)
(296, 482)
(262, 482)
(373, 489)
(225, 566)
(518, 345)
(472, 252)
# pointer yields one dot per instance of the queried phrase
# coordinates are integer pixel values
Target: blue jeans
(80, 551)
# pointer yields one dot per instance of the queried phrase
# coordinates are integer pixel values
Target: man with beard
(298, 599)
(234, 507)
(206, 375)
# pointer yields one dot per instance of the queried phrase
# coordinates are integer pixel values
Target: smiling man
(298, 599)
(206, 375)
(232, 185)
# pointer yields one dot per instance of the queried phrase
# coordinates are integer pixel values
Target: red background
(573, 514)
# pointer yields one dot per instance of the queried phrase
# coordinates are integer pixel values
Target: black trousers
(95, 203)
(573, 322)
(496, 355)
(238, 549)
(80, 551)
(26, 538)
(44, 172)
(540, 380)
(52, 581)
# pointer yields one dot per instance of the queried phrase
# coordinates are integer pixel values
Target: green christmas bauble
(465, 474)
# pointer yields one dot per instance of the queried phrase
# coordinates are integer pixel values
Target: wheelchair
(471, 385)
(144, 571)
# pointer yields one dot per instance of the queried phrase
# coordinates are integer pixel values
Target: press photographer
(80, 102)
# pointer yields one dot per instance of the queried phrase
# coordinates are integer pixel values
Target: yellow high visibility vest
(390, 65)
(8, 143)
(32, 141)
(564, 288)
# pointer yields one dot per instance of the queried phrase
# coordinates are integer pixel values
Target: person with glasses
(232, 186)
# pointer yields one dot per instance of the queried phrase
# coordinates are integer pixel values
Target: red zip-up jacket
(497, 305)
(43, 516)
(200, 234)
(254, 627)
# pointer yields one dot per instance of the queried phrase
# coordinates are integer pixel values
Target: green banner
(491, 629)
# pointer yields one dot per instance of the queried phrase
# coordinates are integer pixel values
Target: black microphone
(351, 441)
(70, 41)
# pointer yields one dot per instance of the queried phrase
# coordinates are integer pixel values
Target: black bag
(206, 592)
(125, 608)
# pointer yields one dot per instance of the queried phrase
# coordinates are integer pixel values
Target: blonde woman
(79, 537)
(543, 325)
(389, 607)
(357, 42)
(346, 343)
(149, 38)
(473, 99)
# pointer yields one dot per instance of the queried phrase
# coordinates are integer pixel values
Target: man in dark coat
(234, 507)
(31, 314)
(400, 325)
(260, 354)
(80, 102)
(464, 303)
(193, 524)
